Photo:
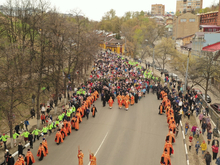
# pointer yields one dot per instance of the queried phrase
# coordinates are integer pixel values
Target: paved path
(119, 137)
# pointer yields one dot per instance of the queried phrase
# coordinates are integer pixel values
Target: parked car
(208, 100)
(216, 107)
(196, 90)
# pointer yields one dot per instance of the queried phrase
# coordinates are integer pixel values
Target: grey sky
(95, 9)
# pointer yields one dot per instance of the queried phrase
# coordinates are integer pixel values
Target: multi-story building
(185, 25)
(210, 18)
(157, 9)
(184, 6)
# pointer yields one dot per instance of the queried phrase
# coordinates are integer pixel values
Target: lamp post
(187, 66)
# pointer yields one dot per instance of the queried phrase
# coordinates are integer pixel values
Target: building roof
(212, 48)
(208, 13)
(169, 26)
(180, 38)
(209, 26)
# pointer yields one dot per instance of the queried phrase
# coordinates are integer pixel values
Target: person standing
(190, 142)
(6, 156)
(44, 143)
(87, 113)
(32, 113)
(21, 126)
(104, 101)
(41, 152)
(15, 135)
(94, 110)
(29, 158)
(44, 130)
(17, 129)
(209, 136)
(20, 149)
(4, 139)
(218, 161)
(110, 102)
(30, 139)
(197, 146)
(58, 138)
(204, 126)
(25, 134)
(186, 127)
(208, 158)
(80, 157)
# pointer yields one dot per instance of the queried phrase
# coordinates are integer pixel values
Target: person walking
(36, 134)
(21, 126)
(4, 138)
(32, 113)
(87, 113)
(92, 159)
(20, 149)
(204, 126)
(94, 110)
(41, 152)
(15, 135)
(197, 146)
(44, 130)
(11, 160)
(26, 123)
(215, 151)
(30, 139)
(190, 142)
(186, 127)
(209, 136)
(208, 158)
(80, 157)
(29, 158)
(203, 147)
(218, 161)
(25, 134)
(193, 130)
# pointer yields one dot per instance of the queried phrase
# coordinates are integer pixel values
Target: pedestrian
(94, 110)
(209, 136)
(20, 149)
(36, 134)
(80, 157)
(193, 130)
(204, 126)
(177, 129)
(186, 127)
(44, 130)
(203, 147)
(33, 98)
(92, 159)
(21, 126)
(87, 113)
(200, 118)
(188, 113)
(15, 136)
(44, 143)
(6, 156)
(17, 129)
(215, 141)
(218, 161)
(11, 160)
(190, 142)
(41, 152)
(25, 134)
(198, 132)
(26, 123)
(29, 158)
(30, 139)
(209, 126)
(207, 110)
(32, 113)
(208, 158)
(4, 138)
(104, 101)
(215, 151)
(197, 146)
(43, 118)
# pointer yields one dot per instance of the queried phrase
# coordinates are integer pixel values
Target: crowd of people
(177, 105)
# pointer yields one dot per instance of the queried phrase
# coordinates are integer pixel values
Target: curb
(184, 141)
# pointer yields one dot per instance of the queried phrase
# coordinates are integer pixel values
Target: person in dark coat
(208, 158)
(11, 160)
(136, 98)
(17, 127)
(6, 156)
(103, 101)
(20, 149)
(30, 139)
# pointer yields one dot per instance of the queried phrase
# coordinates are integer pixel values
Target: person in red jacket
(43, 118)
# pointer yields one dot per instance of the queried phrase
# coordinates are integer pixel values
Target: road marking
(100, 145)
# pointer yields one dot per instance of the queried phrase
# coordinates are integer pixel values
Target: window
(183, 20)
(192, 20)
(214, 30)
(189, 3)
(210, 30)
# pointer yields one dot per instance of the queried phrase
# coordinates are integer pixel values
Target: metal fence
(213, 114)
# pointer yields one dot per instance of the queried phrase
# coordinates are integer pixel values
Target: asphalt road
(117, 137)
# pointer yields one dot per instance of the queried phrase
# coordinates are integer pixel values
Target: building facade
(184, 6)
(185, 25)
(210, 18)
(157, 9)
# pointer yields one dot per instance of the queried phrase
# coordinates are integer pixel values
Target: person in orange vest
(165, 158)
(68, 128)
(78, 115)
(44, 143)
(120, 103)
(94, 110)
(169, 147)
(63, 132)
(76, 122)
(18, 162)
(127, 102)
(119, 97)
(29, 158)
(110, 102)
(170, 137)
(41, 152)
(92, 159)
(21, 159)
(58, 138)
(132, 100)
(80, 157)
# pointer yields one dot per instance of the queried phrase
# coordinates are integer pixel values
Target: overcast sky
(95, 9)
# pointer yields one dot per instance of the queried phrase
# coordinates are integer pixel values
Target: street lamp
(187, 66)
(153, 56)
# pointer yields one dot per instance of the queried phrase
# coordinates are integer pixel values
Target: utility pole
(187, 66)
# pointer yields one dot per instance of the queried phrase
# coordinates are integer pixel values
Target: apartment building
(157, 9)
(184, 6)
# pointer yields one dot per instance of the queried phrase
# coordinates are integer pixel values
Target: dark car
(208, 100)
(216, 107)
